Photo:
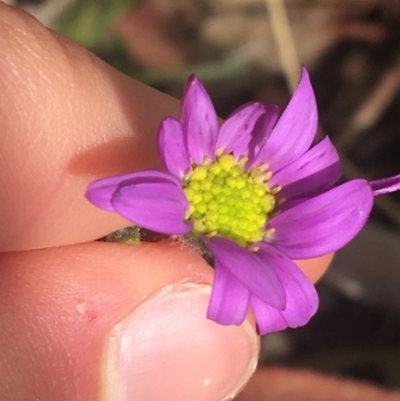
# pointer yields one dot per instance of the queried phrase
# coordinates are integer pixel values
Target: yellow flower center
(227, 201)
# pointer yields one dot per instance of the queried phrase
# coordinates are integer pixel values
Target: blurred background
(247, 50)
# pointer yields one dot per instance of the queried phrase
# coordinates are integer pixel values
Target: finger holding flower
(256, 193)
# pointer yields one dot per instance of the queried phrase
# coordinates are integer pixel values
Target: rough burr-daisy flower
(256, 193)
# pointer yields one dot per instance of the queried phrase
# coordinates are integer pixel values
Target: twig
(372, 108)
(284, 41)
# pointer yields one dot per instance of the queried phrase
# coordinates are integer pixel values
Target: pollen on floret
(229, 201)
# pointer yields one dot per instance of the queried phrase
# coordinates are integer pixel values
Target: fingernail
(167, 350)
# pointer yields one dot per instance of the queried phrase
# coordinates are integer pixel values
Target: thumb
(108, 322)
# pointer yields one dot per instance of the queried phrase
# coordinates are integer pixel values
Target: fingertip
(67, 119)
(108, 319)
(315, 268)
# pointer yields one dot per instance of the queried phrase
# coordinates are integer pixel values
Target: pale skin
(66, 119)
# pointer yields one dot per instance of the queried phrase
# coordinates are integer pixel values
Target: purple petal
(229, 298)
(235, 133)
(100, 192)
(172, 147)
(385, 185)
(295, 130)
(260, 279)
(263, 128)
(325, 223)
(268, 318)
(301, 296)
(199, 121)
(312, 173)
(158, 206)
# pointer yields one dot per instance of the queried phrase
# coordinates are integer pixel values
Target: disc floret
(228, 201)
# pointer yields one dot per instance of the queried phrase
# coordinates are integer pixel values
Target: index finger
(67, 118)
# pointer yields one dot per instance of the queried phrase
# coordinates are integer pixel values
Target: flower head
(257, 194)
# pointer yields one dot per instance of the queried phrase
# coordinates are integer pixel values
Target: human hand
(84, 320)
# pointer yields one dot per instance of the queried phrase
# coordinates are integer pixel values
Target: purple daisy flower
(257, 195)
